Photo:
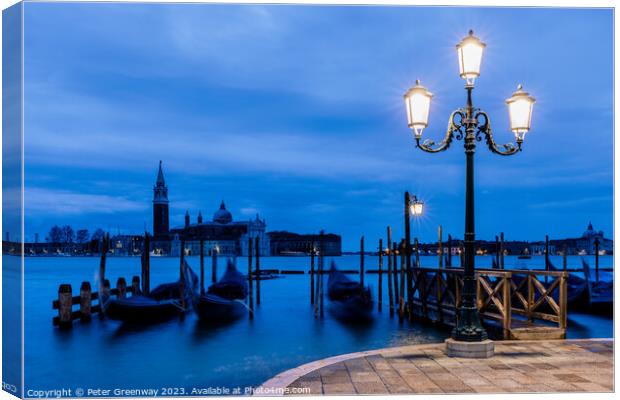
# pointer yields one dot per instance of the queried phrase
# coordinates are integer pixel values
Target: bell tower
(160, 205)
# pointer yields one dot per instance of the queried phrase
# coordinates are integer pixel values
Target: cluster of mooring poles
(65, 301)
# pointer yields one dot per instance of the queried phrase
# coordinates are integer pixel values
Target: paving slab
(556, 366)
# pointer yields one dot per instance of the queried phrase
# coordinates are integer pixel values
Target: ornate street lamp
(472, 125)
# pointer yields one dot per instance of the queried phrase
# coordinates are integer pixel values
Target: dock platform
(555, 366)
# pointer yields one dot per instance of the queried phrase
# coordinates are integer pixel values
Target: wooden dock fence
(516, 302)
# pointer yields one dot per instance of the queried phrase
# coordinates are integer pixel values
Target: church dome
(222, 216)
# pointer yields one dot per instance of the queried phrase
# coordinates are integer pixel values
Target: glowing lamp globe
(470, 51)
(418, 103)
(520, 110)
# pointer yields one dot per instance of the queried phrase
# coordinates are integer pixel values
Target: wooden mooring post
(417, 252)
(440, 246)
(104, 250)
(257, 252)
(85, 301)
(403, 251)
(317, 288)
(214, 251)
(546, 252)
(497, 251)
(182, 274)
(564, 257)
(250, 283)
(202, 267)
(65, 301)
(407, 251)
(121, 287)
(362, 261)
(547, 266)
(146, 265)
(449, 263)
(501, 250)
(312, 251)
(395, 275)
(135, 285)
(597, 244)
(322, 268)
(395, 265)
(380, 283)
(390, 271)
(104, 296)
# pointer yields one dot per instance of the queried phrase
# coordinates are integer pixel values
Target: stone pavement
(518, 366)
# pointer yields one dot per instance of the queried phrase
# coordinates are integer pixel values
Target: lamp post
(471, 125)
(413, 207)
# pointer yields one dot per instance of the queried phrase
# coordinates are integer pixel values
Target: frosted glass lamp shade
(470, 51)
(520, 107)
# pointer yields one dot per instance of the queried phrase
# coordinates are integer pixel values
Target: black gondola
(164, 302)
(577, 289)
(600, 293)
(225, 299)
(348, 299)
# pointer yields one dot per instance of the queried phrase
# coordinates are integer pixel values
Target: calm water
(183, 353)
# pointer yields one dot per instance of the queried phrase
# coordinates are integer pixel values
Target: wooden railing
(512, 299)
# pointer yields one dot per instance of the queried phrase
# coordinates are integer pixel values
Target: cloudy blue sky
(296, 112)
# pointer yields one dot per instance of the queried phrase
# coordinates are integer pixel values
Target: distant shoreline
(280, 255)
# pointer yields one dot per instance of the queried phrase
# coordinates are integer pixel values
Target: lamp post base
(468, 327)
(457, 348)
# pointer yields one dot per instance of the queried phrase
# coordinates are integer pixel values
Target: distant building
(287, 243)
(160, 207)
(538, 248)
(586, 243)
(581, 245)
(221, 234)
(127, 245)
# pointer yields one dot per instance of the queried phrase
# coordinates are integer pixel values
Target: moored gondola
(577, 289)
(600, 293)
(349, 300)
(225, 299)
(164, 302)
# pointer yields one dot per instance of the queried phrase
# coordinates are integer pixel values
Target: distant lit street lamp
(416, 207)
(472, 125)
